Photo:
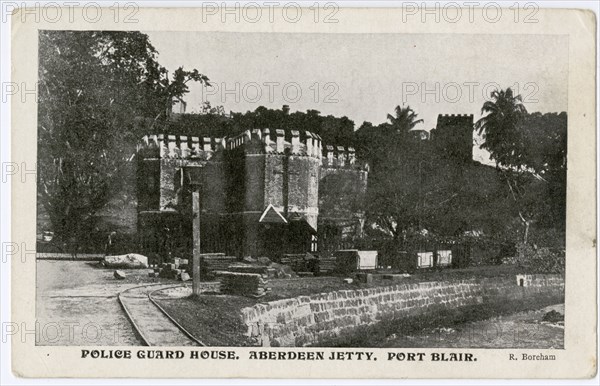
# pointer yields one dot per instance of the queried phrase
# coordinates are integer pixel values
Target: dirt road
(76, 304)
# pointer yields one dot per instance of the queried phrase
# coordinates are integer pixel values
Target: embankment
(309, 320)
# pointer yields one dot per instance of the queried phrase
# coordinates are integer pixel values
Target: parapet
(339, 157)
(278, 141)
(454, 119)
(266, 141)
(178, 146)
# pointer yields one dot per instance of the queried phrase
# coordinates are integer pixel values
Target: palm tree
(504, 140)
(405, 119)
(499, 128)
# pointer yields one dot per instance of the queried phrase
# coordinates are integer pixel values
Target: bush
(540, 259)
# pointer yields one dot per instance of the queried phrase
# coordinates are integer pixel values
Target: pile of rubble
(218, 264)
(180, 269)
(244, 284)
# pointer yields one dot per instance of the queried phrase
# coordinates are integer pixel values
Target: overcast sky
(364, 76)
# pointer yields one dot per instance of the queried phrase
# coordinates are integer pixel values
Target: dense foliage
(531, 152)
(94, 87)
(333, 130)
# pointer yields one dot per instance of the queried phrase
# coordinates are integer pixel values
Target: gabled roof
(272, 216)
(296, 218)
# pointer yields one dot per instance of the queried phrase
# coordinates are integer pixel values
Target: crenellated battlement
(244, 180)
(454, 119)
(269, 142)
(265, 141)
(278, 141)
(178, 146)
(339, 157)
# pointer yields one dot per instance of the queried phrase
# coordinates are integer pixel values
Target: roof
(272, 216)
(296, 218)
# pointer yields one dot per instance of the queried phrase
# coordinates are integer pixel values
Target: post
(196, 240)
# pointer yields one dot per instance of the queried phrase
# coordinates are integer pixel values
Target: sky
(364, 76)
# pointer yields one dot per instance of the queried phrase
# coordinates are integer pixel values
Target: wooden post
(196, 240)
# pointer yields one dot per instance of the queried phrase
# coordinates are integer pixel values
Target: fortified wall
(310, 320)
(256, 188)
(264, 192)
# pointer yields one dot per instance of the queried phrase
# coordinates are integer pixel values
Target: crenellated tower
(453, 137)
(342, 191)
(259, 190)
(274, 183)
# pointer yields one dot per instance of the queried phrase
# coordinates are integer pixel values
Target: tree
(333, 130)
(401, 173)
(500, 128)
(98, 92)
(545, 136)
(404, 120)
(530, 152)
(420, 197)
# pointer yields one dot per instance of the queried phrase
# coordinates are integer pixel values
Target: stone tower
(453, 137)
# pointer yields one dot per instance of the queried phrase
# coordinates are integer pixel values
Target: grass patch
(291, 288)
(213, 319)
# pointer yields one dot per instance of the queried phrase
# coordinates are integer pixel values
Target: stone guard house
(260, 193)
(264, 192)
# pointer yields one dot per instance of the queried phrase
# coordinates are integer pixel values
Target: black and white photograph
(320, 191)
(370, 190)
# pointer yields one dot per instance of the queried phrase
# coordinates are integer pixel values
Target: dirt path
(77, 305)
(520, 330)
(154, 327)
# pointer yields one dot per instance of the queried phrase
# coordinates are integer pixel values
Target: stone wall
(539, 280)
(238, 178)
(308, 320)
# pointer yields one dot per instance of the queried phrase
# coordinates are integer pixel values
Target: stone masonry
(259, 191)
(308, 320)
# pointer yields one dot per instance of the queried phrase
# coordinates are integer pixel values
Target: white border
(6, 376)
